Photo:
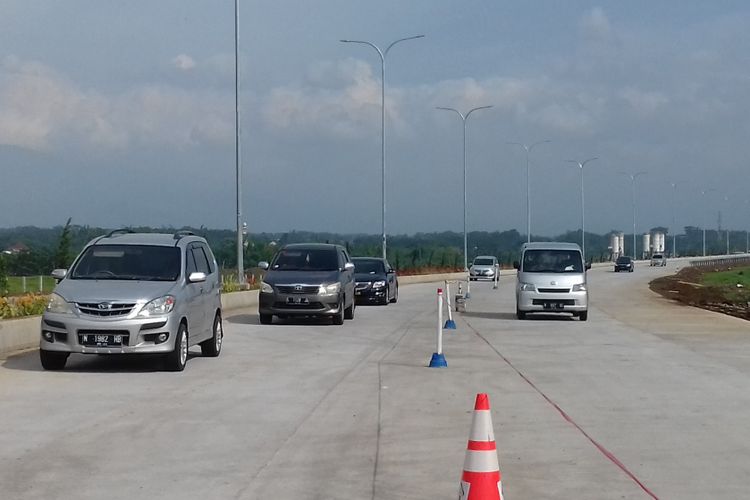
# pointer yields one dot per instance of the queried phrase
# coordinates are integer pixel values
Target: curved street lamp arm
(452, 109)
(377, 49)
(401, 40)
(476, 109)
(545, 141)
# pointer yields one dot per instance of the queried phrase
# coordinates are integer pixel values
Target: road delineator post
(449, 324)
(481, 479)
(438, 359)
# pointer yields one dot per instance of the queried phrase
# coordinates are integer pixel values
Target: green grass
(740, 275)
(15, 285)
(727, 281)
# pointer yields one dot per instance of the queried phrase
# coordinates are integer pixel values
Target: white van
(551, 279)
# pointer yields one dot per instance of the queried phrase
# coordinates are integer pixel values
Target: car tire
(395, 296)
(177, 359)
(265, 319)
(349, 311)
(583, 315)
(520, 314)
(338, 318)
(631, 270)
(52, 360)
(211, 348)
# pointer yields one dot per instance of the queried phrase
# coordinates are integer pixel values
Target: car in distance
(551, 278)
(624, 263)
(484, 267)
(659, 259)
(375, 280)
(135, 293)
(307, 279)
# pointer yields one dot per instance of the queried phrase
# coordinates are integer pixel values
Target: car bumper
(623, 268)
(139, 336)
(552, 302)
(370, 294)
(298, 304)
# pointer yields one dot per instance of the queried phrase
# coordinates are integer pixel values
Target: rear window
(623, 260)
(306, 260)
(128, 262)
(552, 261)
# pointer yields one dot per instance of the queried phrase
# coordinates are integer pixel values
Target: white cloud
(643, 102)
(40, 109)
(183, 62)
(595, 24)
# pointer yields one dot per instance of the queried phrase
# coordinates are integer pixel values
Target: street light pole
(528, 197)
(382, 55)
(703, 198)
(237, 151)
(633, 177)
(464, 117)
(726, 206)
(581, 164)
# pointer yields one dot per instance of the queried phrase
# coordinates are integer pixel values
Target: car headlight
(265, 287)
(527, 287)
(580, 287)
(378, 284)
(329, 289)
(157, 307)
(58, 305)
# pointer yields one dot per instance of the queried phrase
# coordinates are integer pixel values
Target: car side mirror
(263, 265)
(197, 277)
(348, 266)
(516, 264)
(59, 274)
(390, 271)
(588, 265)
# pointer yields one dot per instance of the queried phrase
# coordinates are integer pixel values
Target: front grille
(107, 309)
(306, 289)
(553, 290)
(541, 302)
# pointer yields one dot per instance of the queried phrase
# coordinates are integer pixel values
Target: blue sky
(122, 113)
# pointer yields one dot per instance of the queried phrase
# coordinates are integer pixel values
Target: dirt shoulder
(687, 287)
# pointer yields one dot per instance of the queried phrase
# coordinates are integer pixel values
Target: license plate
(553, 305)
(297, 300)
(101, 339)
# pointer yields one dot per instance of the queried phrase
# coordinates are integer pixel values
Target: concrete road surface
(647, 399)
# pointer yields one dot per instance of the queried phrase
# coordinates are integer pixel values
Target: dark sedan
(624, 264)
(375, 280)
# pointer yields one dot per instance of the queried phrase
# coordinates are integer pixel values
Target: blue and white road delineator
(438, 360)
(449, 324)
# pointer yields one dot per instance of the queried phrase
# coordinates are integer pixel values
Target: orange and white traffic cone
(481, 477)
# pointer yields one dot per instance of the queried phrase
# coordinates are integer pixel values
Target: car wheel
(338, 318)
(631, 269)
(212, 347)
(395, 296)
(349, 311)
(583, 315)
(616, 270)
(520, 314)
(265, 319)
(52, 360)
(177, 359)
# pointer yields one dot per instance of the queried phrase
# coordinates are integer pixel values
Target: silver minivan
(135, 293)
(551, 279)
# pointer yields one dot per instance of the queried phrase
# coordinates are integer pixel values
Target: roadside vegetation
(725, 290)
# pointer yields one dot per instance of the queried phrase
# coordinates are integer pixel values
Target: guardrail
(722, 260)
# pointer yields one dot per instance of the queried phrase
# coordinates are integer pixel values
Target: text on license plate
(101, 339)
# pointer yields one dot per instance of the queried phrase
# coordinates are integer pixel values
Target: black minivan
(307, 279)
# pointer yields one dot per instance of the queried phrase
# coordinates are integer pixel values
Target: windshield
(306, 260)
(552, 261)
(483, 262)
(623, 260)
(368, 266)
(128, 262)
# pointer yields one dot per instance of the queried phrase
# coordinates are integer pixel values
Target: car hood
(369, 277)
(112, 290)
(552, 279)
(478, 267)
(301, 277)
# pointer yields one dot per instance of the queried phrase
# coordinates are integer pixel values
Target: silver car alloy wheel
(183, 348)
(218, 335)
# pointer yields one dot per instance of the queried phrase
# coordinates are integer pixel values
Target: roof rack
(182, 234)
(119, 231)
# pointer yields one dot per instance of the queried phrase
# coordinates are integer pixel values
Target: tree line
(45, 249)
